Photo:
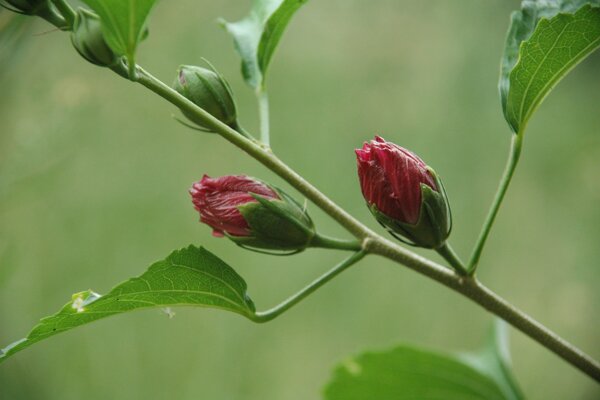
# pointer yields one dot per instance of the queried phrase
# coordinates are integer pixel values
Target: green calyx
(207, 89)
(88, 40)
(279, 225)
(434, 224)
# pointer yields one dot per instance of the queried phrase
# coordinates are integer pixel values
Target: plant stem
(372, 242)
(511, 165)
(66, 10)
(263, 112)
(327, 242)
(449, 255)
(264, 156)
(274, 312)
(470, 287)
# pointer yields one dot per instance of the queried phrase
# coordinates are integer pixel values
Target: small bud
(88, 40)
(252, 213)
(403, 193)
(208, 90)
(41, 8)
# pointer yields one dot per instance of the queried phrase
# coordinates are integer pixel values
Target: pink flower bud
(391, 178)
(218, 201)
(253, 214)
(397, 184)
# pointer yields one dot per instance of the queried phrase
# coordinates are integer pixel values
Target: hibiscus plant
(545, 40)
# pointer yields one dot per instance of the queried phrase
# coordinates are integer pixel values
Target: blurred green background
(94, 174)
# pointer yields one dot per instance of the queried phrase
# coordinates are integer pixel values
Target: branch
(372, 242)
(276, 311)
(471, 288)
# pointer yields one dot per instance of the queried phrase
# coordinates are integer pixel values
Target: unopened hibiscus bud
(252, 213)
(41, 8)
(403, 193)
(88, 40)
(208, 90)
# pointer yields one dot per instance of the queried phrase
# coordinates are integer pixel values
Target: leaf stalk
(276, 311)
(511, 165)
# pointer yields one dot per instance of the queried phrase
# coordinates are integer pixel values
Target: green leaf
(410, 373)
(546, 39)
(494, 360)
(188, 277)
(123, 24)
(256, 37)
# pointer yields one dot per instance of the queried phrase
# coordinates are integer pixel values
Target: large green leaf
(256, 37)
(546, 39)
(123, 24)
(410, 373)
(188, 277)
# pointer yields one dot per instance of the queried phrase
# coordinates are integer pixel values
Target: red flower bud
(396, 184)
(217, 200)
(252, 214)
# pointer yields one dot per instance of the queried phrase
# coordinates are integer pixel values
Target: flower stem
(274, 312)
(449, 255)
(468, 286)
(511, 165)
(263, 111)
(334, 243)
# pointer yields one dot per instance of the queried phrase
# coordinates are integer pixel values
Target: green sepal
(434, 224)
(279, 225)
(88, 40)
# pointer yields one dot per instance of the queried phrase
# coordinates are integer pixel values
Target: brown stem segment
(473, 289)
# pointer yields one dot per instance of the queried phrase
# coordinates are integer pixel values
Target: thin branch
(511, 165)
(276, 311)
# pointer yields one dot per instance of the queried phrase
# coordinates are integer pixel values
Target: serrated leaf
(494, 360)
(546, 39)
(407, 373)
(123, 24)
(188, 277)
(256, 36)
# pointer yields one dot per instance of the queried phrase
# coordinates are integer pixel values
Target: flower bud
(403, 193)
(41, 8)
(88, 40)
(208, 90)
(252, 213)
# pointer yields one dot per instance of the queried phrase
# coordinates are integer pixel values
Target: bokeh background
(94, 174)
